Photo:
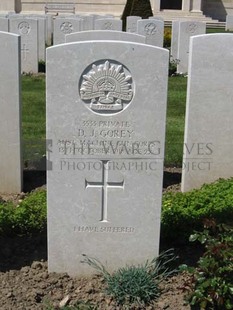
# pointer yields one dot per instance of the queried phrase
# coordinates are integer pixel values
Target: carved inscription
(150, 29)
(192, 28)
(66, 27)
(106, 87)
(107, 26)
(95, 229)
(107, 138)
(24, 51)
(105, 185)
(24, 28)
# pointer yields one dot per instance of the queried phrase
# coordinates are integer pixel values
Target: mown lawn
(34, 123)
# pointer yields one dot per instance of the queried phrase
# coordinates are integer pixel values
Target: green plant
(167, 37)
(28, 217)
(136, 284)
(212, 281)
(173, 66)
(184, 212)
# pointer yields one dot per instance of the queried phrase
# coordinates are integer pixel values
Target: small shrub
(173, 66)
(31, 215)
(136, 284)
(213, 278)
(26, 218)
(184, 212)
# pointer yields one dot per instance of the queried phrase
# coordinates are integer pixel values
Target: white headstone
(131, 23)
(153, 30)
(108, 24)
(106, 121)
(64, 26)
(187, 29)
(42, 34)
(41, 38)
(156, 18)
(174, 39)
(4, 24)
(208, 148)
(229, 22)
(28, 30)
(42, 24)
(10, 116)
(88, 22)
(105, 35)
(49, 29)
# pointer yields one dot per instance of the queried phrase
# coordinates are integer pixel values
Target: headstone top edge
(9, 34)
(210, 35)
(107, 42)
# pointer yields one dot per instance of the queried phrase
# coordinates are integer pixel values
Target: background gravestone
(28, 30)
(104, 35)
(174, 39)
(229, 22)
(4, 24)
(131, 23)
(105, 186)
(208, 149)
(187, 29)
(153, 30)
(64, 26)
(10, 107)
(108, 24)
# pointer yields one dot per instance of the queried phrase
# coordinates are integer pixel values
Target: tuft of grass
(136, 284)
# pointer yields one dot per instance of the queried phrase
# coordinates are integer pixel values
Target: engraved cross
(24, 50)
(104, 184)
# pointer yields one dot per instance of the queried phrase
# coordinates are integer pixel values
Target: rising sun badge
(106, 87)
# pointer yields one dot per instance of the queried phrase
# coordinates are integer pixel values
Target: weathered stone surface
(28, 30)
(174, 39)
(10, 107)
(105, 35)
(106, 124)
(187, 29)
(4, 24)
(153, 30)
(131, 23)
(108, 24)
(64, 26)
(208, 148)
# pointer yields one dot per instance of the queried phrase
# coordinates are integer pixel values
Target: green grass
(175, 120)
(34, 124)
(33, 117)
(216, 30)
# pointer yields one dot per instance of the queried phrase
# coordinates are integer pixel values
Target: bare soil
(25, 283)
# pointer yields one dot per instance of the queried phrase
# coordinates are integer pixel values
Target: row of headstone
(105, 178)
(37, 30)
